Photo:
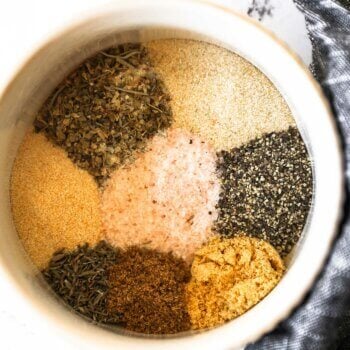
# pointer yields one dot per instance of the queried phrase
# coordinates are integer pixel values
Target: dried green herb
(266, 189)
(80, 278)
(106, 109)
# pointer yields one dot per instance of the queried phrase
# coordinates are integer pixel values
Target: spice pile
(80, 278)
(266, 189)
(140, 289)
(159, 192)
(148, 290)
(229, 276)
(106, 109)
(217, 94)
(151, 292)
(54, 204)
(167, 199)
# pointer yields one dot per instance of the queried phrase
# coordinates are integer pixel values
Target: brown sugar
(55, 205)
(229, 276)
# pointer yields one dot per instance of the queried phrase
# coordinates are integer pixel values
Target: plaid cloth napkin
(323, 320)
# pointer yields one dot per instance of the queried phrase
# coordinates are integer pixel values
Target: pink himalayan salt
(166, 199)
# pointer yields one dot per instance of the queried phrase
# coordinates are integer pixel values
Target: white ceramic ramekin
(143, 20)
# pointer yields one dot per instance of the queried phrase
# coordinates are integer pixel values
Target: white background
(23, 26)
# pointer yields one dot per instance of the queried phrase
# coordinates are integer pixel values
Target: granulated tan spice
(54, 203)
(148, 291)
(218, 94)
(166, 199)
(229, 276)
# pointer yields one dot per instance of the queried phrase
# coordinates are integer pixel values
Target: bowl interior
(139, 22)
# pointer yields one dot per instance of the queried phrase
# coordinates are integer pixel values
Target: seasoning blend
(148, 291)
(229, 276)
(199, 197)
(139, 289)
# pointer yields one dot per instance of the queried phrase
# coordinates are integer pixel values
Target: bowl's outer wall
(153, 19)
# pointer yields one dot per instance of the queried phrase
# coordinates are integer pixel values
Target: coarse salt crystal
(165, 200)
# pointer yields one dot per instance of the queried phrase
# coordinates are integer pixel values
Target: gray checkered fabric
(323, 320)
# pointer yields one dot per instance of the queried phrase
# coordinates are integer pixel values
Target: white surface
(23, 25)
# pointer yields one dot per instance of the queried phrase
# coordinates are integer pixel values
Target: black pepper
(266, 189)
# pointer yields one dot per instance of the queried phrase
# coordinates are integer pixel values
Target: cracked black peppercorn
(266, 189)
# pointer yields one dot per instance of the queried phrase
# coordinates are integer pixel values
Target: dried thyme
(80, 278)
(106, 109)
(266, 189)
